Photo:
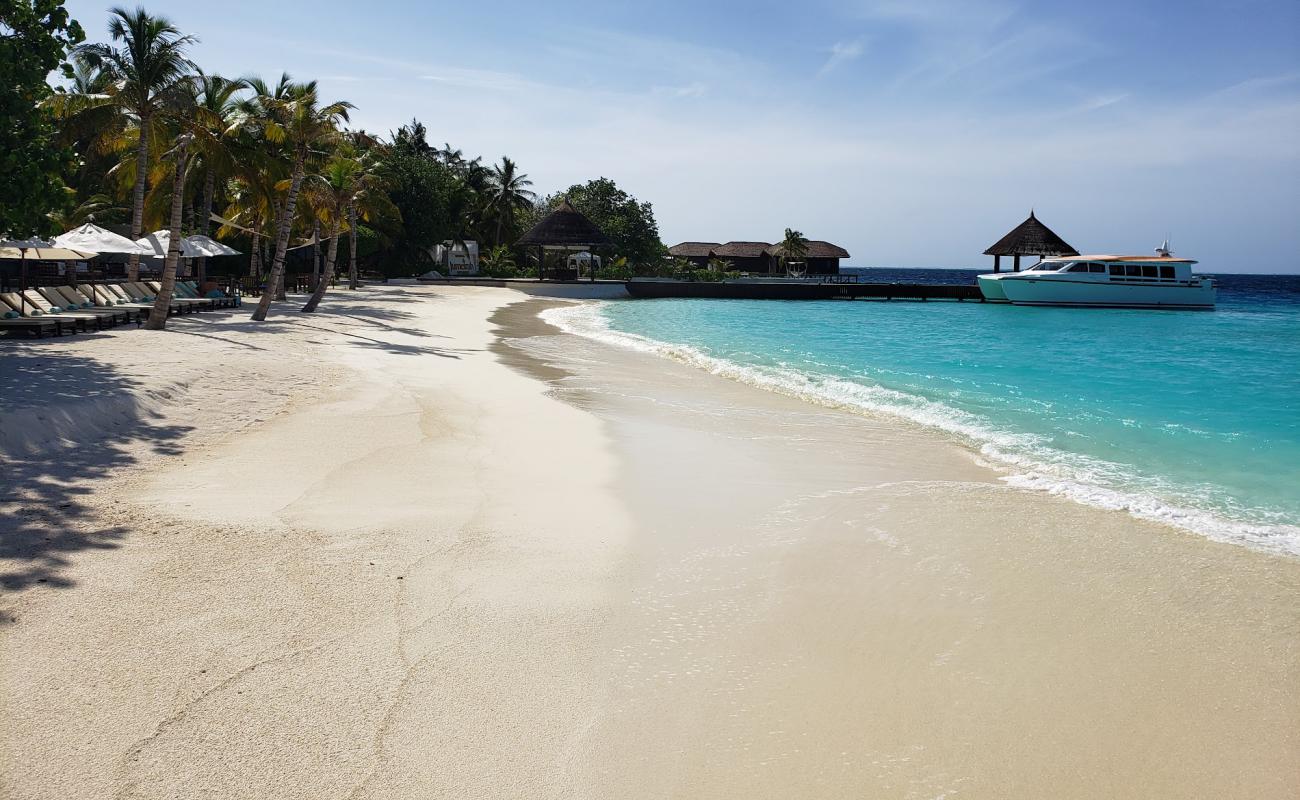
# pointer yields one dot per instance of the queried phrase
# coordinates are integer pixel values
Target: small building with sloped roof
(1029, 238)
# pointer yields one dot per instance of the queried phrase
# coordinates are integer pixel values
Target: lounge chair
(137, 293)
(37, 327)
(190, 290)
(198, 302)
(152, 289)
(38, 307)
(102, 299)
(80, 303)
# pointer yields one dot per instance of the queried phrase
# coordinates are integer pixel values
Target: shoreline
(423, 543)
(1047, 473)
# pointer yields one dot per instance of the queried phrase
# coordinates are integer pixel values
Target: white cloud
(841, 53)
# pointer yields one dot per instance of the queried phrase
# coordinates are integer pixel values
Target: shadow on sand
(51, 459)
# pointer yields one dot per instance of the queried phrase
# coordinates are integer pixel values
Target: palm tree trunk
(324, 283)
(137, 201)
(352, 244)
(158, 314)
(209, 187)
(315, 253)
(275, 284)
(254, 261)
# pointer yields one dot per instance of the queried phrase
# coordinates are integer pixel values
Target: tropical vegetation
(137, 137)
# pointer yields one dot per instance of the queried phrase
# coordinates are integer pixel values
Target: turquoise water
(1188, 417)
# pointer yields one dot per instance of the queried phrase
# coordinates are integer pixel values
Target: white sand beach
(421, 544)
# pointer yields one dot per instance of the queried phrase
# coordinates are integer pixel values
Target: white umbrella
(209, 246)
(93, 237)
(158, 241)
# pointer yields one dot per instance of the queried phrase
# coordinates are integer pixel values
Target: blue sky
(912, 133)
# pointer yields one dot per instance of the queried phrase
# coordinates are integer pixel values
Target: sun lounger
(37, 327)
(38, 307)
(80, 303)
(138, 294)
(191, 289)
(102, 299)
(149, 290)
(69, 304)
(198, 302)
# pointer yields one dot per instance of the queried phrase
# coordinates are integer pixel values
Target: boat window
(1133, 270)
(1046, 266)
(1096, 267)
(1150, 271)
(1078, 268)
(1167, 272)
(1117, 269)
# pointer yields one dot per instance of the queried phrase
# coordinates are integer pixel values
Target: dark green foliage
(429, 197)
(628, 223)
(35, 36)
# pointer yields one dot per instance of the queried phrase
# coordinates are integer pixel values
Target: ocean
(1191, 418)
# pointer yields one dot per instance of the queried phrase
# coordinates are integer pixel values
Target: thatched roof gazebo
(1029, 238)
(565, 229)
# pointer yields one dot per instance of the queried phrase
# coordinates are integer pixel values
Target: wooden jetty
(768, 289)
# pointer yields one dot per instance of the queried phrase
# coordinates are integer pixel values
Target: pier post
(997, 263)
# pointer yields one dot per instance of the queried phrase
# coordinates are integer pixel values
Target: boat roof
(1147, 259)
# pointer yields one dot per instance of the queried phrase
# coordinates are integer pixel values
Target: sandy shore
(420, 545)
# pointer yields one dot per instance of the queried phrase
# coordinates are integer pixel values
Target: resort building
(822, 258)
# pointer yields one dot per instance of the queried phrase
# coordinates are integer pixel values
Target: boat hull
(1026, 291)
(991, 288)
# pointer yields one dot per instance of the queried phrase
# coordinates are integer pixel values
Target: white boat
(1104, 281)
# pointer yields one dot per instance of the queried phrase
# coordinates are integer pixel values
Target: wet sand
(423, 545)
(833, 605)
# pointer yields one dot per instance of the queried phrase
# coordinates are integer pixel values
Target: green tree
(148, 64)
(793, 248)
(628, 223)
(508, 194)
(214, 149)
(349, 183)
(307, 129)
(35, 36)
(431, 198)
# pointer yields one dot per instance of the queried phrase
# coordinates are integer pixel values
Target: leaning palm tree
(148, 65)
(297, 120)
(179, 156)
(793, 248)
(508, 194)
(349, 184)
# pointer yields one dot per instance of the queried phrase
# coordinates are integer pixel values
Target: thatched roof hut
(693, 249)
(817, 248)
(566, 229)
(1029, 238)
(742, 250)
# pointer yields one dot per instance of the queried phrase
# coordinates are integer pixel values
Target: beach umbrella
(207, 246)
(158, 241)
(39, 250)
(100, 240)
(97, 239)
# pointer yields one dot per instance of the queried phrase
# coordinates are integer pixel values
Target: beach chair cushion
(11, 315)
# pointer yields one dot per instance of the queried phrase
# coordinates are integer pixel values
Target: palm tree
(216, 104)
(351, 183)
(180, 162)
(148, 65)
(508, 194)
(96, 208)
(296, 120)
(793, 248)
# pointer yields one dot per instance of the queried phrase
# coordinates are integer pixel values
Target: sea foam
(1026, 460)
